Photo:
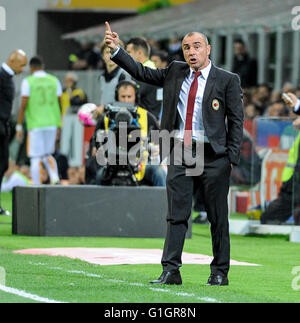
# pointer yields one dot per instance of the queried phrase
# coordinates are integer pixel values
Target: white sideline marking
(24, 294)
(160, 290)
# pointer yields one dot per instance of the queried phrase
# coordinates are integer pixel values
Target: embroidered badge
(215, 104)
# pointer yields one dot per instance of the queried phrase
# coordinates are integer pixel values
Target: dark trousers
(4, 150)
(215, 184)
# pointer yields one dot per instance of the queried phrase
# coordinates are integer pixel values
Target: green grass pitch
(66, 280)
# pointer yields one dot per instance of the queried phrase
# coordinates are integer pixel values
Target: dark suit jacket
(225, 137)
(7, 91)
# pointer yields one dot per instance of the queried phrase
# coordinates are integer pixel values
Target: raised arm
(134, 68)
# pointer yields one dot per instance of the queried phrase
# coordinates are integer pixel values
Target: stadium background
(54, 30)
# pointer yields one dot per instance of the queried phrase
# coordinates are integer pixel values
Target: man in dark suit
(14, 65)
(197, 96)
(244, 65)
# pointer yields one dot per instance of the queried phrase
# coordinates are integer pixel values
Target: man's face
(157, 61)
(196, 51)
(106, 57)
(238, 48)
(126, 94)
(69, 82)
(132, 52)
(19, 64)
(276, 109)
(263, 92)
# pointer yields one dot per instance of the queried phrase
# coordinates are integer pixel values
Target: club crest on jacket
(215, 104)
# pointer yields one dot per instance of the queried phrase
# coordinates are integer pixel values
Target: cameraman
(126, 92)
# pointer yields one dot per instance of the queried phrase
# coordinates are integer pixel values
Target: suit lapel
(179, 80)
(210, 83)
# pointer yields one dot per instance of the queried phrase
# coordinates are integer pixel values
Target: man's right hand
(293, 98)
(19, 136)
(296, 124)
(111, 39)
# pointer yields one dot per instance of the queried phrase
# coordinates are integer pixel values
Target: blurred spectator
(113, 74)
(81, 175)
(249, 169)
(150, 96)
(72, 97)
(87, 58)
(91, 164)
(261, 97)
(62, 162)
(251, 111)
(155, 46)
(160, 58)
(276, 109)
(73, 176)
(244, 65)
(281, 209)
(15, 176)
(288, 87)
(76, 176)
(40, 94)
(275, 96)
(71, 100)
(175, 49)
(246, 97)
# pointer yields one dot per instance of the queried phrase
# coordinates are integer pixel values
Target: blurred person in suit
(15, 64)
(244, 65)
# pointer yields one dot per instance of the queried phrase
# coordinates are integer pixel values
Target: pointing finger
(107, 26)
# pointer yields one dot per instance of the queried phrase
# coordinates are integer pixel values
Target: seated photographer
(147, 174)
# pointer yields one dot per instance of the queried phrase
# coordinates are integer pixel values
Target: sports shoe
(4, 212)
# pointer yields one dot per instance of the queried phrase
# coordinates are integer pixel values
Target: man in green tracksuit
(40, 106)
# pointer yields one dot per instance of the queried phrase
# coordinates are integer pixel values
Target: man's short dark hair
(126, 83)
(265, 85)
(36, 62)
(239, 41)
(140, 43)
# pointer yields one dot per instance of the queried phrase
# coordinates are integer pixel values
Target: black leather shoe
(217, 280)
(168, 278)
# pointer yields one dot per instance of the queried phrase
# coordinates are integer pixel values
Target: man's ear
(140, 52)
(208, 50)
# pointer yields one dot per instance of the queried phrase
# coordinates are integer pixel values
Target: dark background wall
(52, 25)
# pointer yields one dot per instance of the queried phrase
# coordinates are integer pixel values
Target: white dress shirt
(197, 121)
(297, 106)
(8, 69)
